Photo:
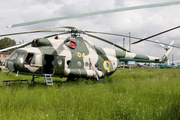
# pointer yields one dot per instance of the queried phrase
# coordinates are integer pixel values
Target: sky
(139, 23)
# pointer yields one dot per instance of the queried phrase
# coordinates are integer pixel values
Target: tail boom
(127, 56)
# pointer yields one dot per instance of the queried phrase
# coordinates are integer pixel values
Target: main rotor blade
(35, 31)
(162, 43)
(96, 13)
(69, 27)
(107, 42)
(133, 37)
(16, 33)
(15, 47)
(156, 34)
(113, 34)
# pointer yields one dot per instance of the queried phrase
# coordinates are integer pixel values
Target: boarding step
(48, 79)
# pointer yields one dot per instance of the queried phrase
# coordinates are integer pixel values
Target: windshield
(14, 55)
(21, 57)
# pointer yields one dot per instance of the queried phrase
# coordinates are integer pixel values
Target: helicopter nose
(10, 65)
(15, 61)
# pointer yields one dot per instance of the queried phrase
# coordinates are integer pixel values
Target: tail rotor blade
(171, 44)
(160, 44)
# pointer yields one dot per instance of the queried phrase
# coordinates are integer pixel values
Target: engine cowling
(39, 42)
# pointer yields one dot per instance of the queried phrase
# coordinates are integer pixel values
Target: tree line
(6, 42)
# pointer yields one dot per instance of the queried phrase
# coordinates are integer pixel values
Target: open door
(48, 64)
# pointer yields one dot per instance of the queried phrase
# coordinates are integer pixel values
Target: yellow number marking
(81, 55)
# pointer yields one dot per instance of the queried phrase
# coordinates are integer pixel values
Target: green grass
(140, 94)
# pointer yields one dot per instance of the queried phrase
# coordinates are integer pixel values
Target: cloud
(141, 23)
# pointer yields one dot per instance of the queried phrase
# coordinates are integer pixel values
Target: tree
(6, 42)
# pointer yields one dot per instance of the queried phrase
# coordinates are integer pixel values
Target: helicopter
(73, 56)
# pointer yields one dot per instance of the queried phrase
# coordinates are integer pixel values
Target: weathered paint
(85, 60)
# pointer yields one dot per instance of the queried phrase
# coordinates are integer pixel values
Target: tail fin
(166, 56)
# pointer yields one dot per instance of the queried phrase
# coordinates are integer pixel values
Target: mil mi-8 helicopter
(74, 57)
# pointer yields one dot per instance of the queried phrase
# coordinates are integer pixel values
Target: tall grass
(140, 94)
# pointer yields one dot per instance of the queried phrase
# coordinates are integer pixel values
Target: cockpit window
(14, 55)
(21, 57)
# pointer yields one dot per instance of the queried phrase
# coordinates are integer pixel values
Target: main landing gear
(32, 81)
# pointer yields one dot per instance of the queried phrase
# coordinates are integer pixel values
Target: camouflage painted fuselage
(70, 57)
